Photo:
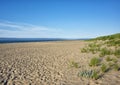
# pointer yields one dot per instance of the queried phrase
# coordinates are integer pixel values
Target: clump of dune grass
(111, 59)
(103, 68)
(108, 58)
(117, 53)
(94, 61)
(116, 67)
(110, 64)
(73, 64)
(114, 60)
(89, 74)
(113, 42)
(105, 51)
(84, 50)
(93, 47)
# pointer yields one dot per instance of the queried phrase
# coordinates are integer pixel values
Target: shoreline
(39, 41)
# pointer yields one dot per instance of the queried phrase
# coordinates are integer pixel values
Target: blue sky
(59, 18)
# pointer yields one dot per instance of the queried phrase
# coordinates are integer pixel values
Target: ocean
(18, 40)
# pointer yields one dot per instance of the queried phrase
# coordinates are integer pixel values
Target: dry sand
(47, 63)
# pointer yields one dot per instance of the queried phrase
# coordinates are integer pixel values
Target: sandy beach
(47, 63)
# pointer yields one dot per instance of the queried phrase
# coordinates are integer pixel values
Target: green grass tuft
(116, 67)
(74, 64)
(103, 68)
(108, 58)
(113, 42)
(105, 51)
(117, 53)
(114, 60)
(84, 50)
(94, 61)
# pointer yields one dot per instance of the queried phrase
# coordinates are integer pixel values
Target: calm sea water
(17, 40)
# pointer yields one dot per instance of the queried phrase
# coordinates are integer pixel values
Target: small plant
(114, 42)
(92, 50)
(111, 64)
(95, 75)
(94, 61)
(83, 50)
(105, 51)
(94, 47)
(114, 60)
(89, 74)
(108, 58)
(117, 53)
(103, 68)
(74, 64)
(101, 55)
(116, 67)
(118, 56)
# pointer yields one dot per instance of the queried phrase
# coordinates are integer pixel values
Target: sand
(48, 63)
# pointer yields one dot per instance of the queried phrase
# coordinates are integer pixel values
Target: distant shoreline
(25, 40)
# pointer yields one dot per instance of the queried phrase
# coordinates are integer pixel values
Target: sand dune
(47, 63)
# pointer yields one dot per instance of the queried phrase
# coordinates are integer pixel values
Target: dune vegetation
(107, 49)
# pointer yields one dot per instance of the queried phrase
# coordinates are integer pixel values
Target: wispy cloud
(12, 29)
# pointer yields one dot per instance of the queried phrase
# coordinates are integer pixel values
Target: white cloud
(11, 29)
(9, 25)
